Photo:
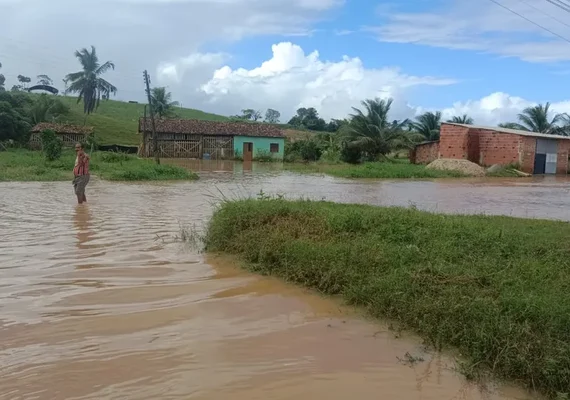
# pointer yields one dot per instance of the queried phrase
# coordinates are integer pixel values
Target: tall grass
(25, 165)
(400, 169)
(496, 288)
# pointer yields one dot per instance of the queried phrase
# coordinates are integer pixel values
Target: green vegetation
(88, 83)
(391, 169)
(117, 122)
(25, 165)
(495, 288)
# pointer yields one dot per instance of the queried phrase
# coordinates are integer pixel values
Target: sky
(473, 57)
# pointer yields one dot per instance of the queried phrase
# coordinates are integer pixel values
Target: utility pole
(151, 111)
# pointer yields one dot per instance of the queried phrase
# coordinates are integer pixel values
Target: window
(274, 147)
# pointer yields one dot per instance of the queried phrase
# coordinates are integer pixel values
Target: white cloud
(139, 34)
(495, 108)
(484, 26)
(293, 79)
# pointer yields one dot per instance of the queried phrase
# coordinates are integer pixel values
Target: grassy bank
(397, 169)
(496, 288)
(25, 165)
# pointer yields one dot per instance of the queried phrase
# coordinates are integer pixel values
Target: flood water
(102, 302)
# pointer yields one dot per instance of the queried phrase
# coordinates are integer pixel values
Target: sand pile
(464, 166)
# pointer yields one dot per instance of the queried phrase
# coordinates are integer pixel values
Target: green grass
(116, 122)
(495, 288)
(25, 165)
(394, 169)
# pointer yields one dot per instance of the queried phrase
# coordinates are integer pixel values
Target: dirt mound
(463, 166)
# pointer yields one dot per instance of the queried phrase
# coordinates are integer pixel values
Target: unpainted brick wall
(562, 157)
(498, 148)
(453, 141)
(425, 153)
(527, 150)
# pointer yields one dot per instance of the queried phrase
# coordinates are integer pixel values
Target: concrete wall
(425, 153)
(260, 144)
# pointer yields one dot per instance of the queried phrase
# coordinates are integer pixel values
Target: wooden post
(153, 126)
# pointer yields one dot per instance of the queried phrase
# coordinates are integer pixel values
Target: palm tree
(462, 119)
(428, 124)
(372, 132)
(537, 119)
(162, 103)
(46, 109)
(88, 82)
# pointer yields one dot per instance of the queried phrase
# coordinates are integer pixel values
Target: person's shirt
(81, 164)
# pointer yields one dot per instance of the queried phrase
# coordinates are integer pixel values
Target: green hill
(116, 122)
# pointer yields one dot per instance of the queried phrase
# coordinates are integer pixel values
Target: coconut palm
(372, 131)
(537, 119)
(46, 109)
(88, 82)
(462, 119)
(162, 103)
(428, 124)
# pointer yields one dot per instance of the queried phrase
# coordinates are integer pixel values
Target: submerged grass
(393, 169)
(495, 288)
(25, 165)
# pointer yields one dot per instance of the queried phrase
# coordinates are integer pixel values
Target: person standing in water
(81, 173)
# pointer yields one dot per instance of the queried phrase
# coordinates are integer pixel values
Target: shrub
(51, 145)
(351, 154)
(114, 157)
(264, 156)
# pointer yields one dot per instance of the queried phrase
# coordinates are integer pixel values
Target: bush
(351, 154)
(51, 145)
(264, 156)
(115, 157)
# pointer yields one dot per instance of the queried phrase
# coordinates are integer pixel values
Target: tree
(46, 109)
(463, 119)
(162, 103)
(14, 124)
(428, 124)
(2, 80)
(44, 80)
(537, 119)
(272, 116)
(249, 114)
(373, 133)
(24, 80)
(308, 118)
(88, 82)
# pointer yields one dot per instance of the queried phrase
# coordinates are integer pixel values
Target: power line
(531, 21)
(545, 13)
(560, 4)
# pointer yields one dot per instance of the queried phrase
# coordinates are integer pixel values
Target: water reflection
(82, 221)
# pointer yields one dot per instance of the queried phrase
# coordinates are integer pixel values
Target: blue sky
(478, 72)
(457, 56)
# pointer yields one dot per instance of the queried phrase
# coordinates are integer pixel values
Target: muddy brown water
(100, 302)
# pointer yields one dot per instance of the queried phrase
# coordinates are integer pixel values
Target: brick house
(536, 153)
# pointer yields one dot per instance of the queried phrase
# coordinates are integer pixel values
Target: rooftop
(511, 131)
(63, 128)
(214, 128)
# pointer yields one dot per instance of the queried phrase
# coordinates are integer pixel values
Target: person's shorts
(79, 184)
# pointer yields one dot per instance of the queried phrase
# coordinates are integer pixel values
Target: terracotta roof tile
(202, 127)
(63, 128)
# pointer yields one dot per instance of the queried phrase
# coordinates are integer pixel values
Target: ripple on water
(98, 301)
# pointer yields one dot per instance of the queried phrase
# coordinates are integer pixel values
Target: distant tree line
(368, 134)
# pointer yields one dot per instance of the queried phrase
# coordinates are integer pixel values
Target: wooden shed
(192, 138)
(69, 134)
